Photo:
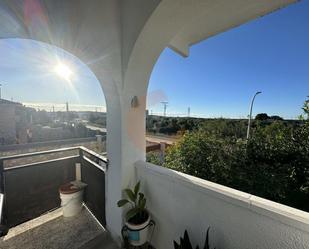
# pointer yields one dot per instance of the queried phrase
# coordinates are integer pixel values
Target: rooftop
(8, 102)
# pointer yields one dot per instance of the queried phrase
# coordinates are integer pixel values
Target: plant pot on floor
(138, 232)
(138, 222)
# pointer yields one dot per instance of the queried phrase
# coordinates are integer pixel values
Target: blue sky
(218, 79)
(27, 74)
(270, 54)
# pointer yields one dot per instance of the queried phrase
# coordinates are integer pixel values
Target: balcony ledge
(52, 230)
(278, 212)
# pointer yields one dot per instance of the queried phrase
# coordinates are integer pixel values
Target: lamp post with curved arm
(250, 114)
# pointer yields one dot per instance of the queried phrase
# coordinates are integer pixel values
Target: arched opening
(203, 103)
(52, 134)
(57, 95)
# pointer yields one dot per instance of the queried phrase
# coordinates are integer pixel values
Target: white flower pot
(72, 204)
(138, 234)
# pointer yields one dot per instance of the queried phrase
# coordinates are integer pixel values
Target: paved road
(158, 139)
(149, 138)
(96, 128)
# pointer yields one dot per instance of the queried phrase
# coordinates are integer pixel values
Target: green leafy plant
(273, 164)
(185, 242)
(137, 214)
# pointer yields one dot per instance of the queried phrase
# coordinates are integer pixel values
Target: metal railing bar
(1, 206)
(82, 153)
(39, 163)
(100, 157)
(1, 177)
(94, 164)
(68, 142)
(38, 153)
(3, 228)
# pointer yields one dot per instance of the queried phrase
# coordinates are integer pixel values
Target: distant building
(13, 123)
(7, 122)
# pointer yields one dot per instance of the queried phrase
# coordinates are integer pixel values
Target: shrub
(274, 164)
(154, 157)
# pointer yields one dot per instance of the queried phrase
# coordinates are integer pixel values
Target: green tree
(153, 157)
(201, 154)
(262, 116)
(274, 164)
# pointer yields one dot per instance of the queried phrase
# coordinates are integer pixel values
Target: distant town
(20, 124)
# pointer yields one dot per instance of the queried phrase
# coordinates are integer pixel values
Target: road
(95, 128)
(149, 138)
(164, 139)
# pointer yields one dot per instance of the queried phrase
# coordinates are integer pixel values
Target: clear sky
(270, 54)
(27, 74)
(218, 79)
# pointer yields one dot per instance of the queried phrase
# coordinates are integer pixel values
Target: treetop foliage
(273, 164)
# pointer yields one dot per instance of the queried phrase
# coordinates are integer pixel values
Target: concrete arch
(155, 36)
(71, 26)
(113, 109)
(178, 25)
(76, 27)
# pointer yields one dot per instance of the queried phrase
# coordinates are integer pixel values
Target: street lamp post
(250, 114)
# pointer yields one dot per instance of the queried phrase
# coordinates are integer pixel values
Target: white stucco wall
(238, 220)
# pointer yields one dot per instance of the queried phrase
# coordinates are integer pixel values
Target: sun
(63, 71)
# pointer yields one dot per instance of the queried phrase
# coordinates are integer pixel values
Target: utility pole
(54, 116)
(250, 115)
(165, 103)
(67, 112)
(189, 110)
(0, 90)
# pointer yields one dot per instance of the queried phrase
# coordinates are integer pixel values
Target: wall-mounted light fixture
(134, 102)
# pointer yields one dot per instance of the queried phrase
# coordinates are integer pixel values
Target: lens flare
(63, 71)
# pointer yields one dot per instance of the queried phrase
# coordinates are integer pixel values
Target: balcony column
(125, 144)
(113, 177)
(126, 93)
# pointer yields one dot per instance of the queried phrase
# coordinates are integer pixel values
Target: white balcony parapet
(238, 220)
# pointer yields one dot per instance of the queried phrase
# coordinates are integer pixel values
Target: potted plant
(185, 242)
(137, 217)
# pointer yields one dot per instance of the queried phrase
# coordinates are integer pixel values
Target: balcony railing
(175, 200)
(30, 190)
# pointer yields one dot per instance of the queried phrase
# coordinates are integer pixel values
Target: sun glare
(63, 71)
